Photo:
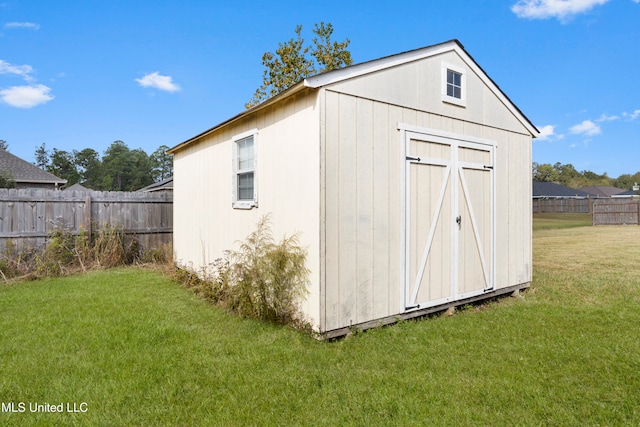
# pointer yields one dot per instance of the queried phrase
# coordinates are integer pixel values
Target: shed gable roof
(361, 69)
(23, 171)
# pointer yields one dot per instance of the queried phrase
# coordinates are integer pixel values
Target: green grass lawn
(140, 350)
(545, 221)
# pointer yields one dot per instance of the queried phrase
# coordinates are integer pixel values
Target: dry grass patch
(592, 265)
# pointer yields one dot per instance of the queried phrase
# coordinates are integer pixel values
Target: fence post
(87, 214)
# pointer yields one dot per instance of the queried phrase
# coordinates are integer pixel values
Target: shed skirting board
(337, 333)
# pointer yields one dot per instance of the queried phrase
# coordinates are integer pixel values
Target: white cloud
(158, 81)
(636, 113)
(605, 118)
(23, 71)
(560, 9)
(586, 128)
(22, 25)
(26, 96)
(546, 132)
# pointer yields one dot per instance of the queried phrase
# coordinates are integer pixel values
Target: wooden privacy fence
(562, 205)
(616, 211)
(28, 215)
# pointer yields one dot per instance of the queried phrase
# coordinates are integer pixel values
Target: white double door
(449, 218)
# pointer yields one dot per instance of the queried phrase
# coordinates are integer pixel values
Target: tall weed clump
(263, 279)
(60, 253)
(15, 263)
(66, 252)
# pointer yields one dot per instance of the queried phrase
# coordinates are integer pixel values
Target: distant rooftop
(164, 185)
(553, 190)
(602, 190)
(25, 172)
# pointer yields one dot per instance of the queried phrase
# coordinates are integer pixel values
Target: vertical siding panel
(347, 171)
(332, 313)
(409, 115)
(457, 126)
(503, 178)
(528, 196)
(513, 201)
(422, 119)
(381, 219)
(395, 212)
(519, 212)
(364, 209)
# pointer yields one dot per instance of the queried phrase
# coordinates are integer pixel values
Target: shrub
(263, 279)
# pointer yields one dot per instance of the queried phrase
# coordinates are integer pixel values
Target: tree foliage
(293, 61)
(119, 169)
(162, 164)
(567, 175)
(63, 165)
(6, 179)
(42, 156)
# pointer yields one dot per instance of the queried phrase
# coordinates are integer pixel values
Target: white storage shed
(408, 179)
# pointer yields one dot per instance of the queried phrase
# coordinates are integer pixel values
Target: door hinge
(488, 167)
(412, 307)
(417, 159)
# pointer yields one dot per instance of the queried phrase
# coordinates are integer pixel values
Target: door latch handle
(459, 221)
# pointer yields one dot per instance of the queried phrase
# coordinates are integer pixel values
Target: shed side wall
(205, 224)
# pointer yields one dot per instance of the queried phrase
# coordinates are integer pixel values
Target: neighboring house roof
(628, 193)
(77, 187)
(602, 190)
(342, 74)
(553, 190)
(25, 172)
(165, 184)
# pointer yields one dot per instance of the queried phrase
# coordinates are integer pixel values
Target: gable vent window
(454, 85)
(245, 190)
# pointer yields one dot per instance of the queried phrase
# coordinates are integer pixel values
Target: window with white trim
(454, 84)
(245, 191)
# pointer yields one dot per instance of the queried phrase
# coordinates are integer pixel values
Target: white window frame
(236, 202)
(462, 101)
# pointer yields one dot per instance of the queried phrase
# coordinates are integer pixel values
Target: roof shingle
(23, 171)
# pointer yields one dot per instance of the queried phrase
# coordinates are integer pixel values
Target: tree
(330, 56)
(293, 62)
(162, 164)
(42, 157)
(124, 169)
(627, 181)
(141, 174)
(63, 166)
(4, 145)
(6, 179)
(544, 172)
(88, 165)
(567, 174)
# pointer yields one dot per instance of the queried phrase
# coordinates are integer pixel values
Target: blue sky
(78, 74)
